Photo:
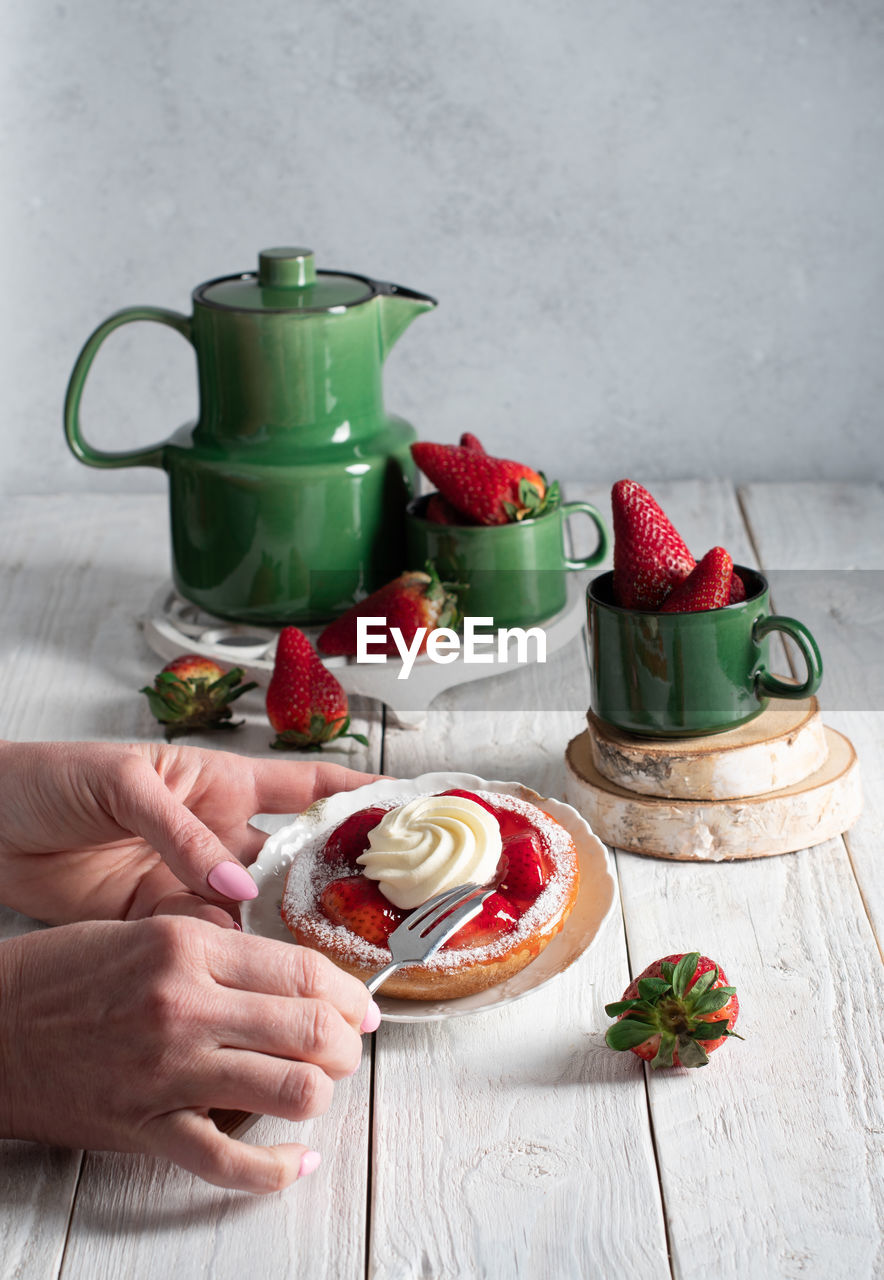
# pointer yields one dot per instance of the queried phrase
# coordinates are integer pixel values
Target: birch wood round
(797, 817)
(782, 746)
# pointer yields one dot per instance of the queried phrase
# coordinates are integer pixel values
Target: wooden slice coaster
(796, 817)
(784, 745)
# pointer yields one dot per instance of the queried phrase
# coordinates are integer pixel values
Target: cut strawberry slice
(471, 795)
(526, 870)
(350, 838)
(498, 916)
(358, 904)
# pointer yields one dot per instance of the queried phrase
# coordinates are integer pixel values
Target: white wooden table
(514, 1143)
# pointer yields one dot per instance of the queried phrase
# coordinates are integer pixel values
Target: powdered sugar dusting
(309, 874)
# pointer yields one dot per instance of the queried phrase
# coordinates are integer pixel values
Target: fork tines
(435, 910)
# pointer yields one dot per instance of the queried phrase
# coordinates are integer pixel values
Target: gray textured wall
(655, 228)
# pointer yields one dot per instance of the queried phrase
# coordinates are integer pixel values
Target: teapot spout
(398, 307)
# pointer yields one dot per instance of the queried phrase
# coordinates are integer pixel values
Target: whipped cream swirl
(429, 845)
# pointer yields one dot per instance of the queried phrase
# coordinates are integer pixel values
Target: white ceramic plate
(290, 833)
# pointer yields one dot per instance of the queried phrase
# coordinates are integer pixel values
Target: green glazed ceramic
(512, 573)
(287, 495)
(688, 674)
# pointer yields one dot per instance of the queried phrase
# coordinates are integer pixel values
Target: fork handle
(382, 975)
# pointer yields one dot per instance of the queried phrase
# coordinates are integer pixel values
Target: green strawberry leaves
(673, 1011)
(320, 733)
(627, 1034)
(532, 502)
(189, 706)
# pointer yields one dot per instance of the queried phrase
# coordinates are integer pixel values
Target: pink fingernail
(310, 1162)
(237, 926)
(233, 881)
(372, 1019)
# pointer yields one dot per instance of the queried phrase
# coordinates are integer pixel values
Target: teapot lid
(286, 280)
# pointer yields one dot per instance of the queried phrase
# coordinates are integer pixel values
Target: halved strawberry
(358, 904)
(489, 490)
(350, 838)
(498, 916)
(650, 556)
(738, 589)
(193, 693)
(411, 601)
(471, 795)
(707, 586)
(526, 869)
(675, 1013)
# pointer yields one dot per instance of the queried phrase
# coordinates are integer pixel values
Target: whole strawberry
(469, 441)
(193, 693)
(707, 586)
(488, 490)
(411, 601)
(438, 509)
(675, 1013)
(305, 703)
(650, 556)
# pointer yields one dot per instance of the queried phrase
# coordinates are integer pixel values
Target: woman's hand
(94, 831)
(121, 1037)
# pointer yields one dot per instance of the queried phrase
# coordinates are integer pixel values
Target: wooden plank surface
(512, 1142)
(826, 543)
(755, 1152)
(508, 1143)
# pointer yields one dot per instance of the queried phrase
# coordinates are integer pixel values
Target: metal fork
(429, 926)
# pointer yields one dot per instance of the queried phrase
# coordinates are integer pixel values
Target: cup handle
(569, 509)
(152, 456)
(767, 685)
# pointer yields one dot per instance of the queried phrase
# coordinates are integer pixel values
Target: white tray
(172, 626)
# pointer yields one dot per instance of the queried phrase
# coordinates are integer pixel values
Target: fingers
(142, 803)
(255, 964)
(192, 1141)
(181, 903)
(310, 1031)
(233, 1080)
(283, 786)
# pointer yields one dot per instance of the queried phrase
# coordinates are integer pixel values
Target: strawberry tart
(346, 893)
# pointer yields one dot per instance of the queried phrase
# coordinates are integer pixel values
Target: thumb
(142, 804)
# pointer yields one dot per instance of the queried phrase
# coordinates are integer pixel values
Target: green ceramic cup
(515, 574)
(687, 674)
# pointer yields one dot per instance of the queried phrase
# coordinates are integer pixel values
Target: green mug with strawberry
(681, 648)
(495, 530)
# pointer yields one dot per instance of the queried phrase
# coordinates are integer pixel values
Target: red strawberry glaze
(357, 903)
(327, 906)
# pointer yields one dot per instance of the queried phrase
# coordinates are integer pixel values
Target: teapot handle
(149, 457)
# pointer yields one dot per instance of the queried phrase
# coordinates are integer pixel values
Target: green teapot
(287, 495)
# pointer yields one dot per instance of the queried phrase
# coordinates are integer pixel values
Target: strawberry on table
(411, 601)
(488, 490)
(305, 703)
(650, 556)
(193, 693)
(707, 586)
(675, 1013)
